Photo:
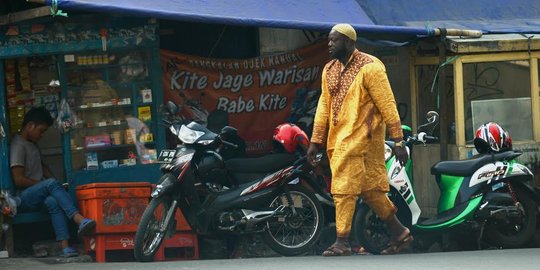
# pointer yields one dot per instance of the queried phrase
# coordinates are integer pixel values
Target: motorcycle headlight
(189, 136)
(387, 152)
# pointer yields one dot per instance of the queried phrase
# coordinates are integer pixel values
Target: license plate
(166, 156)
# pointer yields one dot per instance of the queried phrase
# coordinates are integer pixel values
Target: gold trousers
(346, 205)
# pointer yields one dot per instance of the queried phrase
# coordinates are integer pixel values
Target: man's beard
(338, 54)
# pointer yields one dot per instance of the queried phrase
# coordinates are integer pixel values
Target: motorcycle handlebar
(229, 144)
(423, 137)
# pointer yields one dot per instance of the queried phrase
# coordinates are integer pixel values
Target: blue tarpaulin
(397, 18)
(488, 16)
(296, 14)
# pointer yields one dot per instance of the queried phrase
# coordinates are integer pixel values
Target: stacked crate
(117, 209)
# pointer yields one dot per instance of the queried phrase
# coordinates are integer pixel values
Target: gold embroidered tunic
(355, 107)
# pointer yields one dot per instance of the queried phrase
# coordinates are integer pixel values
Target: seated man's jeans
(49, 193)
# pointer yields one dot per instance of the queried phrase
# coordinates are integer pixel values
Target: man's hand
(312, 152)
(401, 154)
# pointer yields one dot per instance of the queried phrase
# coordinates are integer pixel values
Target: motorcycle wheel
(514, 232)
(291, 234)
(369, 230)
(148, 237)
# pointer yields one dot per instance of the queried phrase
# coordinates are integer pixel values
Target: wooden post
(443, 110)
(414, 91)
(460, 108)
(535, 98)
(25, 15)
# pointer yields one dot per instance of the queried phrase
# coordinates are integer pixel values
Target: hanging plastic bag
(66, 118)
(8, 203)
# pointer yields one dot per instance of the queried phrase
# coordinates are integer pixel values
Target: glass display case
(110, 97)
(100, 77)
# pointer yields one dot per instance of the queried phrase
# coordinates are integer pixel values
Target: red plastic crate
(116, 207)
(181, 222)
(181, 246)
(101, 243)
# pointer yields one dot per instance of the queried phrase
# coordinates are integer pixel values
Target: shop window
(498, 92)
(429, 96)
(110, 98)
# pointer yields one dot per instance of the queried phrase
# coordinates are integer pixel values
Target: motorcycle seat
(265, 164)
(467, 167)
(248, 169)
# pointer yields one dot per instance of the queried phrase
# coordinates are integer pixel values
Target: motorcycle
(489, 193)
(270, 195)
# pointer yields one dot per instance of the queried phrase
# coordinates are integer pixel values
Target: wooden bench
(31, 217)
(20, 218)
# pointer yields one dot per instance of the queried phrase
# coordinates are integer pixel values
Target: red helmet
(507, 144)
(289, 137)
(491, 137)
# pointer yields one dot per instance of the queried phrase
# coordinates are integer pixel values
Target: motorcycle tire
(514, 233)
(148, 238)
(369, 230)
(290, 234)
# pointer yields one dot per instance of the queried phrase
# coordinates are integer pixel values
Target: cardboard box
(97, 141)
(146, 95)
(108, 164)
(91, 161)
(145, 113)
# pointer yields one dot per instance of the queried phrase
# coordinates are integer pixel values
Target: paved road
(522, 259)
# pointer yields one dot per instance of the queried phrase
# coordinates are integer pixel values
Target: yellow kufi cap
(345, 29)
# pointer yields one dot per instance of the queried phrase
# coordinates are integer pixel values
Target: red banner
(253, 95)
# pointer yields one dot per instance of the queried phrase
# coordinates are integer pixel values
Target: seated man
(37, 185)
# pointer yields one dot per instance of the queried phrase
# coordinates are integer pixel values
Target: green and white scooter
(488, 193)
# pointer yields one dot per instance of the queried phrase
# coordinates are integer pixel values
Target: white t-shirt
(25, 153)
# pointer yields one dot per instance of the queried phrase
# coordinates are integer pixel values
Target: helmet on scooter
(491, 137)
(507, 144)
(289, 137)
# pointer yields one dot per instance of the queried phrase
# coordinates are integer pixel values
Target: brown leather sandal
(336, 251)
(397, 247)
(360, 250)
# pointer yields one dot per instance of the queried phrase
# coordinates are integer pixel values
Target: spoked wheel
(516, 227)
(151, 230)
(369, 230)
(291, 233)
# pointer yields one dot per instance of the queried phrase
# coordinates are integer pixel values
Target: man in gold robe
(355, 108)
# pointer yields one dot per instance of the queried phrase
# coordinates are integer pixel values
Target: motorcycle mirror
(432, 117)
(229, 131)
(171, 107)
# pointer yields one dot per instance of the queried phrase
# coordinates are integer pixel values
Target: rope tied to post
(445, 63)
